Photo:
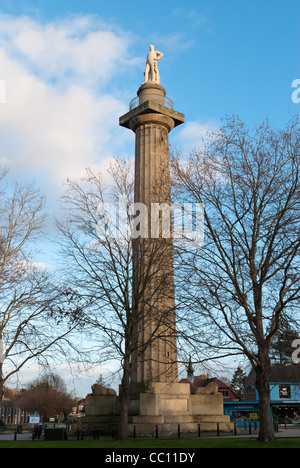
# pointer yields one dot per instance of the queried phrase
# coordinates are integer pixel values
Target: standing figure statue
(151, 70)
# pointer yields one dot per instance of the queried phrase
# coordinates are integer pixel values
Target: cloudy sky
(70, 69)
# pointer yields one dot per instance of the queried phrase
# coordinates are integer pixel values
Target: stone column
(155, 355)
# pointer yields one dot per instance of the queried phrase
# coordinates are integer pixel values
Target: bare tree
(48, 396)
(27, 293)
(245, 277)
(110, 287)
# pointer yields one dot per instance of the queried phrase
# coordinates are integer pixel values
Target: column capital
(149, 107)
(151, 99)
(151, 118)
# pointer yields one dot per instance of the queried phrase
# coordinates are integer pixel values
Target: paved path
(11, 435)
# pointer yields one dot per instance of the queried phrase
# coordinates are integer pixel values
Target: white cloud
(80, 47)
(60, 114)
(59, 117)
(193, 18)
(175, 42)
(193, 133)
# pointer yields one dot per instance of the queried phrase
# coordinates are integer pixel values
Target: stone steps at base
(179, 418)
(196, 418)
(171, 429)
(167, 425)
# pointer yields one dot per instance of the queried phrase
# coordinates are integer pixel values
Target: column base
(158, 410)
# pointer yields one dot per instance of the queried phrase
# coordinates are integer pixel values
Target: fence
(250, 428)
(38, 433)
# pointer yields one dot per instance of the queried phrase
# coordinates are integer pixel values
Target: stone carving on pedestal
(100, 390)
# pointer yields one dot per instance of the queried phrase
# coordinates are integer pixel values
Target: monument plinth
(156, 397)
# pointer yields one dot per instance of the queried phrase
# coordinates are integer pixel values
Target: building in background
(285, 397)
(11, 414)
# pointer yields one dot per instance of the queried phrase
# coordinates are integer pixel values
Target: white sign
(34, 419)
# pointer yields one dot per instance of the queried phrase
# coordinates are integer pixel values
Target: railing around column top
(136, 102)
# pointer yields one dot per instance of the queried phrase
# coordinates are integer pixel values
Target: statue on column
(151, 71)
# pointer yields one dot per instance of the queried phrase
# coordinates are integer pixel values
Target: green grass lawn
(155, 444)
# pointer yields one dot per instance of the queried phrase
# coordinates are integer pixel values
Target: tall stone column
(156, 398)
(151, 119)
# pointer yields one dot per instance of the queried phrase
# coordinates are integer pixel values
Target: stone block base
(160, 407)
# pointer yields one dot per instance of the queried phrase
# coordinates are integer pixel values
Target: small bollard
(235, 430)
(178, 431)
(156, 432)
(218, 429)
(199, 430)
(15, 436)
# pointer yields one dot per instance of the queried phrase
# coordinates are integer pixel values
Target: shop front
(242, 412)
(286, 412)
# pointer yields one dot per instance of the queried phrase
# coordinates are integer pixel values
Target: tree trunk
(266, 430)
(124, 400)
(1, 388)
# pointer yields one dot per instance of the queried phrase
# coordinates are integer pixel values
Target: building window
(249, 389)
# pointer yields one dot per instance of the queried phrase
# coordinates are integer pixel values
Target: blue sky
(71, 68)
(221, 57)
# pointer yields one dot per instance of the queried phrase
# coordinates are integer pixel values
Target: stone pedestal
(160, 407)
(167, 406)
